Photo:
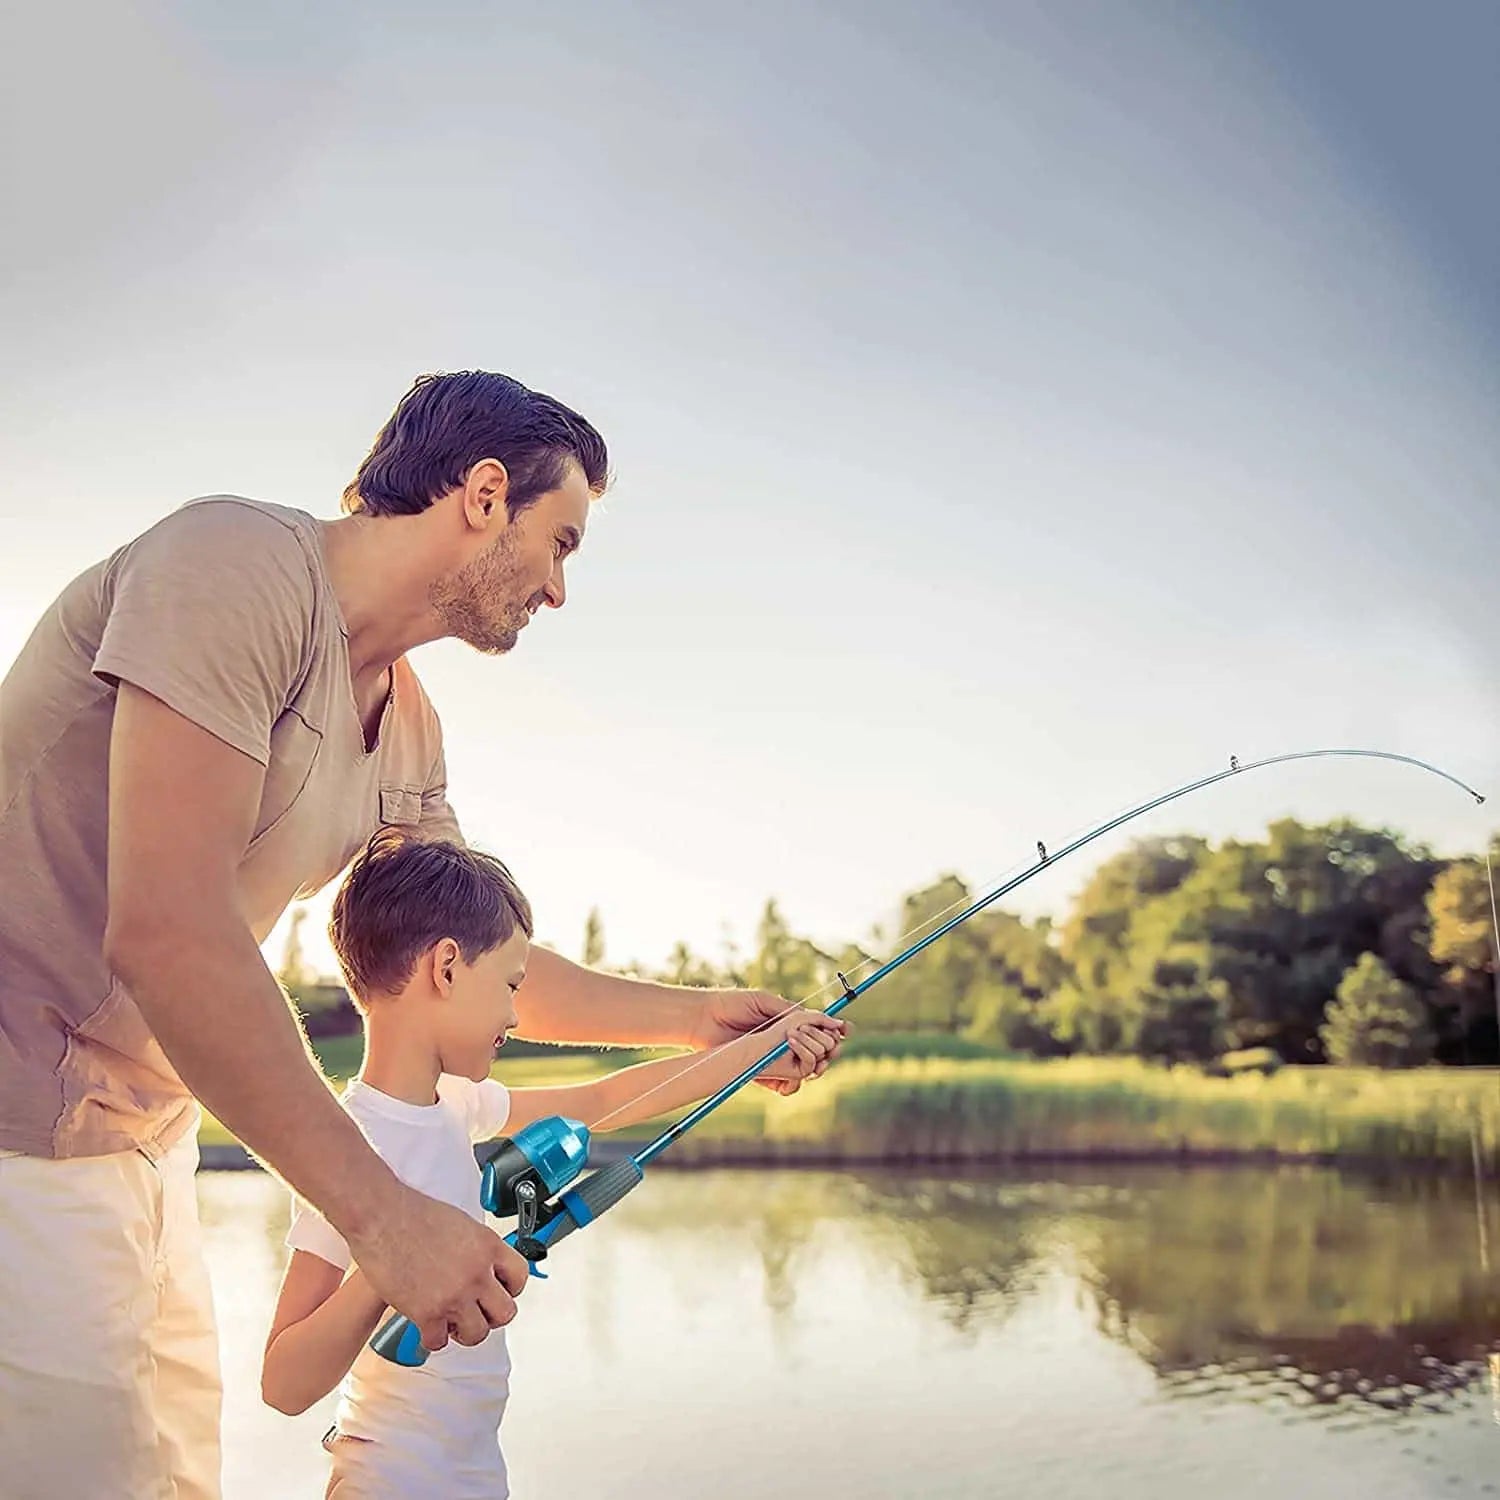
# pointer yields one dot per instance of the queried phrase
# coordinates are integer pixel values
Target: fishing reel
(524, 1172)
(521, 1178)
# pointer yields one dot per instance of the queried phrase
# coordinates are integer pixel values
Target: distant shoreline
(719, 1154)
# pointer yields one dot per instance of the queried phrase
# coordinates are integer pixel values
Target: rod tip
(1479, 798)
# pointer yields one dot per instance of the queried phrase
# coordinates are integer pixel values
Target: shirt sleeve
(212, 613)
(437, 819)
(485, 1106)
(310, 1231)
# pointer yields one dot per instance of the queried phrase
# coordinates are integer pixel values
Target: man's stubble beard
(478, 604)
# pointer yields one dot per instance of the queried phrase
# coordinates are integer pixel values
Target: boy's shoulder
(387, 1122)
(481, 1106)
(477, 1110)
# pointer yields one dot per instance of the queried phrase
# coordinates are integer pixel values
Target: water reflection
(1330, 1288)
(988, 1306)
(1343, 1288)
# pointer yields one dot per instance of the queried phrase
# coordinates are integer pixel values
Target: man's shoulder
(217, 532)
(238, 518)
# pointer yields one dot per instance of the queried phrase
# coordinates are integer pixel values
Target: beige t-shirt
(224, 611)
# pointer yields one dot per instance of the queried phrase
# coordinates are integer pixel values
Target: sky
(1016, 409)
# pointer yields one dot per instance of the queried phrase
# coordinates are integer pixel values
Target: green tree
(593, 939)
(1282, 919)
(785, 964)
(1462, 943)
(1008, 1000)
(1094, 1005)
(988, 978)
(686, 967)
(1096, 933)
(1086, 1020)
(1179, 1014)
(1458, 906)
(733, 970)
(1377, 1021)
(927, 992)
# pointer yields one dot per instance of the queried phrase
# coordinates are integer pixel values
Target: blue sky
(1016, 408)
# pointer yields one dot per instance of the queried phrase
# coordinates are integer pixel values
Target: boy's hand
(729, 1014)
(448, 1273)
(813, 1041)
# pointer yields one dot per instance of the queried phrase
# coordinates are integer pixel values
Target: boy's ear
(444, 958)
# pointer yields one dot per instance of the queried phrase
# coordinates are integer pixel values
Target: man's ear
(484, 494)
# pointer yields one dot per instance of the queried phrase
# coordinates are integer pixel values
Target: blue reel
(521, 1174)
(549, 1154)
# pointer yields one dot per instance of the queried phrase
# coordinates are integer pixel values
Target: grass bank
(972, 1107)
(1100, 1108)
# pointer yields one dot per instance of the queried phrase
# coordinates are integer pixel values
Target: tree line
(1333, 943)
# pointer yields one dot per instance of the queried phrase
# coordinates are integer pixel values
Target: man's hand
(729, 1014)
(448, 1273)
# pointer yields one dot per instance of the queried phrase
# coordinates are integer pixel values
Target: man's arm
(564, 1002)
(182, 806)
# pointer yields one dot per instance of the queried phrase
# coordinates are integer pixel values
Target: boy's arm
(323, 1319)
(654, 1088)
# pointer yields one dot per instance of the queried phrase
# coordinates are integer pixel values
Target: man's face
(488, 601)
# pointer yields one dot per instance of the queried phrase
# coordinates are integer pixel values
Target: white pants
(109, 1361)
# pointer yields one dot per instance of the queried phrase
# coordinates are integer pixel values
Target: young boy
(433, 939)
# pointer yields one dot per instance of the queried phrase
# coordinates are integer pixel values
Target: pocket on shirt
(400, 805)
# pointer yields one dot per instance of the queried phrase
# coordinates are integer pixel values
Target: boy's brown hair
(403, 894)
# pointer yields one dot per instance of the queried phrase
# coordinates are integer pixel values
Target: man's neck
(381, 570)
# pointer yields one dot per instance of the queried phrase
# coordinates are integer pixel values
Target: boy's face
(481, 1008)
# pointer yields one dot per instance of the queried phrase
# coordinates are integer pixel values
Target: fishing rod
(530, 1175)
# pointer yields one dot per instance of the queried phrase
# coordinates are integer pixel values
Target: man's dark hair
(445, 424)
(403, 894)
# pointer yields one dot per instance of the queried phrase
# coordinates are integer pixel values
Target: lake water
(1140, 1334)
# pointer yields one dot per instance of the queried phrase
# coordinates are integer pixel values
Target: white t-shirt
(437, 1426)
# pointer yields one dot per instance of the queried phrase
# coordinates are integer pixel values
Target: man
(201, 728)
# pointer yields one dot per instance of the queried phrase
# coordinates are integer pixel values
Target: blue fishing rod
(530, 1175)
